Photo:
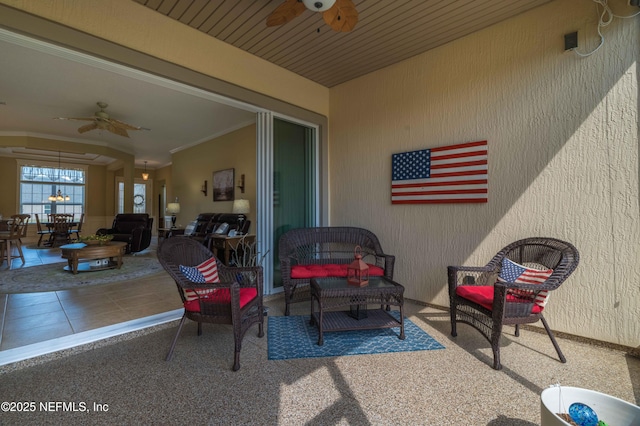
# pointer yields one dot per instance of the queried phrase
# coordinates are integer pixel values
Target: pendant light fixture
(58, 196)
(145, 175)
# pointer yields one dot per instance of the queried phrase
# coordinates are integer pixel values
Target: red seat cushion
(483, 296)
(329, 270)
(222, 296)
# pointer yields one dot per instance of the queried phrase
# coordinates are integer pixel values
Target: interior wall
(562, 136)
(192, 166)
(100, 180)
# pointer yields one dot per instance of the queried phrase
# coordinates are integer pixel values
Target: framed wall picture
(223, 185)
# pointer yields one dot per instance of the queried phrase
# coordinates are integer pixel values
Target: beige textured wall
(120, 21)
(563, 158)
(191, 167)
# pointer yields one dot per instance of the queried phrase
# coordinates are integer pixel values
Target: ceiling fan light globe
(318, 5)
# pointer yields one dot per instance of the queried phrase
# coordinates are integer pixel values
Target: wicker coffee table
(331, 294)
(74, 252)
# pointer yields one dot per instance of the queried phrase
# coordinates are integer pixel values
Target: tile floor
(30, 318)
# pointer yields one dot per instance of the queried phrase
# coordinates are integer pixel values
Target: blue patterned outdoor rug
(293, 337)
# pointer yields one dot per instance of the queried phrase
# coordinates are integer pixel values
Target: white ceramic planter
(612, 410)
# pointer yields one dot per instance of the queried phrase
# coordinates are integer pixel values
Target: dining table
(51, 227)
(4, 224)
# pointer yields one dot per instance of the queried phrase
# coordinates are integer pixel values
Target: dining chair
(25, 219)
(41, 231)
(76, 231)
(12, 236)
(61, 230)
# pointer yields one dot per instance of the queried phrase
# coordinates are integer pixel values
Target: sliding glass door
(287, 187)
(294, 182)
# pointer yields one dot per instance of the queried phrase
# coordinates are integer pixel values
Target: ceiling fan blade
(342, 16)
(285, 12)
(123, 125)
(88, 127)
(117, 130)
(75, 118)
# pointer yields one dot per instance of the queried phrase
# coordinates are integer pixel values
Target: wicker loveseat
(307, 253)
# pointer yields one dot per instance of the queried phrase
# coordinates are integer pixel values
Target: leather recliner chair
(132, 228)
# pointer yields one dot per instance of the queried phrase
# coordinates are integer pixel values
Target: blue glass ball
(582, 414)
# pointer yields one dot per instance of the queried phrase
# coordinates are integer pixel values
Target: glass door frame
(264, 187)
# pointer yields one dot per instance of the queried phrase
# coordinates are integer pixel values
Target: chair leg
(496, 333)
(40, 239)
(19, 247)
(7, 247)
(553, 339)
(237, 343)
(199, 329)
(175, 339)
(452, 312)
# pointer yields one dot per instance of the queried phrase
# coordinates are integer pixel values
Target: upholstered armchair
(132, 228)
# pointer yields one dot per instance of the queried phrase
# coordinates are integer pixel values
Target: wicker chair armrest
(186, 284)
(469, 275)
(389, 265)
(529, 287)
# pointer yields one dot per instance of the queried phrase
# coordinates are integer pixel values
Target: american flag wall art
(448, 174)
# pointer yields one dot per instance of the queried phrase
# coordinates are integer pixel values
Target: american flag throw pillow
(512, 272)
(206, 272)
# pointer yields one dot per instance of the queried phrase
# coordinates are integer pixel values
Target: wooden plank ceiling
(388, 31)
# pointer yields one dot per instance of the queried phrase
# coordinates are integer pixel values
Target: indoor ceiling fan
(102, 121)
(340, 15)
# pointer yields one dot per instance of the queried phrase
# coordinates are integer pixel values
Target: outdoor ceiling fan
(340, 15)
(102, 121)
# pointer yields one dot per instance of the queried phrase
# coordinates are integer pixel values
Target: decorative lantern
(358, 271)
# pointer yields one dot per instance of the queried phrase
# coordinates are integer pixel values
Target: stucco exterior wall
(562, 137)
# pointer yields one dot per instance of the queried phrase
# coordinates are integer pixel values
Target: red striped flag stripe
(464, 182)
(459, 146)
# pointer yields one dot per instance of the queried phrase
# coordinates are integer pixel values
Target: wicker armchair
(229, 306)
(325, 246)
(478, 299)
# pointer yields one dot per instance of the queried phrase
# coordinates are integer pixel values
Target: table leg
(227, 249)
(119, 259)
(312, 320)
(320, 336)
(74, 266)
